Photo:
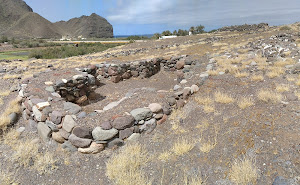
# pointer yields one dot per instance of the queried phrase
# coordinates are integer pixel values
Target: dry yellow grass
(208, 108)
(282, 87)
(297, 82)
(298, 94)
(241, 74)
(124, 168)
(275, 72)
(4, 93)
(213, 72)
(192, 180)
(165, 156)
(25, 151)
(267, 95)
(176, 115)
(203, 100)
(7, 76)
(207, 147)
(257, 78)
(245, 102)
(7, 178)
(243, 172)
(182, 146)
(283, 63)
(11, 137)
(45, 163)
(290, 79)
(14, 106)
(221, 97)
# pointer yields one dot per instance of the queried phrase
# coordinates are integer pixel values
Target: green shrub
(285, 28)
(69, 50)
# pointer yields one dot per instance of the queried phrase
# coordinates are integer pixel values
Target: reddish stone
(180, 64)
(116, 79)
(126, 75)
(112, 71)
(162, 120)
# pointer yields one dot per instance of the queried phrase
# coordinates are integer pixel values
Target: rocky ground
(241, 127)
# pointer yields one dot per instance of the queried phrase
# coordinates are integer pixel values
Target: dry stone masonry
(61, 126)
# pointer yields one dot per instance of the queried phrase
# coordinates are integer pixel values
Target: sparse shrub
(285, 28)
(69, 51)
(275, 72)
(245, 102)
(223, 98)
(241, 74)
(203, 100)
(282, 87)
(124, 168)
(165, 156)
(257, 78)
(213, 72)
(208, 108)
(267, 95)
(182, 146)
(243, 172)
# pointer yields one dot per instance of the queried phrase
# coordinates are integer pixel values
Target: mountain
(18, 20)
(11, 11)
(32, 25)
(87, 26)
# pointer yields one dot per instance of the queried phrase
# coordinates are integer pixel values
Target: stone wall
(52, 123)
(141, 68)
(76, 89)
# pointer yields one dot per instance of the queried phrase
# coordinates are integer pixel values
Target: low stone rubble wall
(245, 27)
(61, 126)
(141, 68)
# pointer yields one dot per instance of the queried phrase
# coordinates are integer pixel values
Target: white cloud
(192, 12)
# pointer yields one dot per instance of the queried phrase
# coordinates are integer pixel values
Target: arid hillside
(216, 108)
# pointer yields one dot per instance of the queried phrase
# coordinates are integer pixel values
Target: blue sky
(130, 17)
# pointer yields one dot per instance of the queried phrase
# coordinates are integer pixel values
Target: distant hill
(18, 20)
(11, 11)
(32, 25)
(87, 26)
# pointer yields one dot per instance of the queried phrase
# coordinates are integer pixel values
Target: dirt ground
(242, 127)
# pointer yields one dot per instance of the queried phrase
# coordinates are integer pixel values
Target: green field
(13, 55)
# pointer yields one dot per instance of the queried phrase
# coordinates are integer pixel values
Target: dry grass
(192, 180)
(275, 72)
(282, 87)
(283, 63)
(14, 106)
(4, 93)
(298, 94)
(213, 72)
(124, 168)
(176, 115)
(25, 152)
(221, 97)
(297, 82)
(267, 95)
(257, 78)
(209, 108)
(290, 79)
(243, 172)
(207, 147)
(45, 163)
(245, 102)
(11, 137)
(182, 146)
(6, 77)
(165, 156)
(7, 178)
(203, 100)
(241, 74)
